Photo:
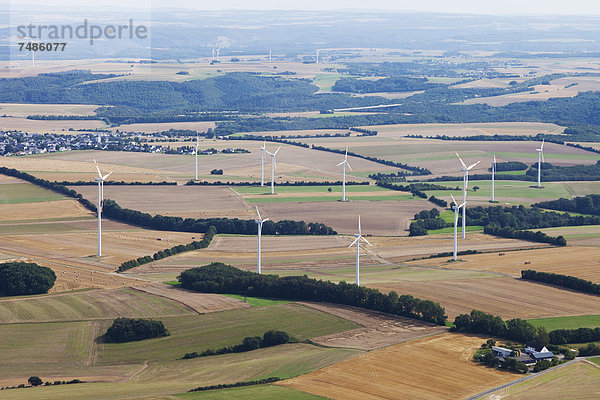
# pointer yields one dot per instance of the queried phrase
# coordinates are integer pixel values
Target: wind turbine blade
(366, 241)
(542, 156)
(359, 225)
(461, 161)
(542, 146)
(462, 205)
(346, 155)
(454, 200)
(494, 159)
(264, 146)
(352, 244)
(340, 163)
(106, 176)
(276, 151)
(258, 212)
(470, 167)
(348, 165)
(265, 220)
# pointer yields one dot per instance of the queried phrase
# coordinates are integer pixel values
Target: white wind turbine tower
(465, 170)
(493, 176)
(344, 163)
(540, 159)
(456, 212)
(262, 163)
(259, 222)
(100, 179)
(196, 154)
(358, 237)
(273, 162)
(318, 56)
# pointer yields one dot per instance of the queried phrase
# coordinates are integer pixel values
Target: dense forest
(20, 278)
(130, 329)
(395, 84)
(221, 278)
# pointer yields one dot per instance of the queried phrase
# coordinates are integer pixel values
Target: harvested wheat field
(59, 209)
(277, 252)
(181, 201)
(68, 167)
(577, 380)
(503, 296)
(582, 262)
(437, 367)
(47, 126)
(382, 217)
(202, 303)
(120, 242)
(200, 126)
(377, 329)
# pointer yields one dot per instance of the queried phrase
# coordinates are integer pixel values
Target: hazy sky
(510, 7)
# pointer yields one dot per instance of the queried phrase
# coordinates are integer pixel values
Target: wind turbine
(456, 212)
(358, 237)
(100, 179)
(318, 56)
(493, 176)
(540, 159)
(273, 162)
(262, 163)
(344, 163)
(465, 170)
(196, 154)
(259, 222)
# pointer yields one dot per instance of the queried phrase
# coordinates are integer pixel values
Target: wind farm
(174, 266)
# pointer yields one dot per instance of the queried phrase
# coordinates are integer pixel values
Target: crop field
(47, 126)
(89, 305)
(503, 296)
(181, 201)
(70, 349)
(577, 380)
(77, 244)
(23, 110)
(558, 88)
(437, 367)
(202, 303)
(293, 163)
(377, 329)
(322, 257)
(262, 392)
(460, 130)
(575, 322)
(439, 155)
(577, 235)
(579, 261)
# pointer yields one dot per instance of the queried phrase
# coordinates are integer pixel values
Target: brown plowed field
(503, 296)
(378, 329)
(200, 302)
(437, 367)
(582, 262)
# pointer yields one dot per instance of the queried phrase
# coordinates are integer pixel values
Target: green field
(326, 81)
(39, 228)
(261, 392)
(580, 321)
(215, 330)
(450, 229)
(12, 193)
(309, 189)
(275, 199)
(93, 304)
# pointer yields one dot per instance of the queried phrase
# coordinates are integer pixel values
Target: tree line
(223, 225)
(159, 255)
(286, 183)
(237, 384)
(221, 278)
(588, 204)
(567, 281)
(510, 233)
